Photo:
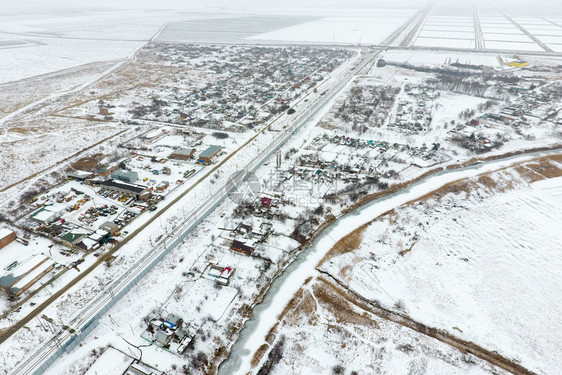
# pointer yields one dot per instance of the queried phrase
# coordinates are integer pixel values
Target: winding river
(283, 288)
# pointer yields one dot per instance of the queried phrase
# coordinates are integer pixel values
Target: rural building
(266, 202)
(70, 239)
(123, 175)
(183, 153)
(162, 186)
(21, 276)
(220, 274)
(134, 190)
(104, 111)
(49, 213)
(153, 135)
(241, 247)
(244, 228)
(207, 156)
(6, 236)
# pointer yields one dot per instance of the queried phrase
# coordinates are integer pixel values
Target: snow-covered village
(244, 189)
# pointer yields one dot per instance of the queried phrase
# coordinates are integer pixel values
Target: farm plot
(449, 32)
(545, 31)
(506, 36)
(371, 29)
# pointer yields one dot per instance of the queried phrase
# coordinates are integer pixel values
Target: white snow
(488, 272)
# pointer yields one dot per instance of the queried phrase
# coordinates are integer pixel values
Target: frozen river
(284, 287)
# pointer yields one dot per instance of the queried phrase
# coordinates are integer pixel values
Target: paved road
(478, 36)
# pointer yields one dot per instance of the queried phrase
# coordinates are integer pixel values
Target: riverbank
(371, 295)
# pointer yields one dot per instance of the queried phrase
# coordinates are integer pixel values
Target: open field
(325, 330)
(477, 259)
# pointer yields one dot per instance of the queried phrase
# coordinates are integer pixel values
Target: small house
(244, 228)
(220, 274)
(240, 247)
(163, 337)
(162, 186)
(266, 202)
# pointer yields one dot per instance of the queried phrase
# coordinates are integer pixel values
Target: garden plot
(229, 88)
(490, 37)
(444, 42)
(545, 30)
(513, 46)
(484, 267)
(550, 39)
(439, 58)
(449, 32)
(62, 41)
(557, 47)
(452, 34)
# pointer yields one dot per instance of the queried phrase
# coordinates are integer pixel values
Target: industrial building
(207, 156)
(49, 213)
(126, 176)
(71, 239)
(6, 236)
(183, 153)
(134, 190)
(20, 276)
(106, 171)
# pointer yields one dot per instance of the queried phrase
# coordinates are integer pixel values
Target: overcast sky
(249, 5)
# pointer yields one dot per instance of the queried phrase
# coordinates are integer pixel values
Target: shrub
(338, 369)
(220, 135)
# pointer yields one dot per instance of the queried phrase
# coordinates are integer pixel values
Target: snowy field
(370, 29)
(38, 44)
(324, 333)
(484, 266)
(61, 41)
